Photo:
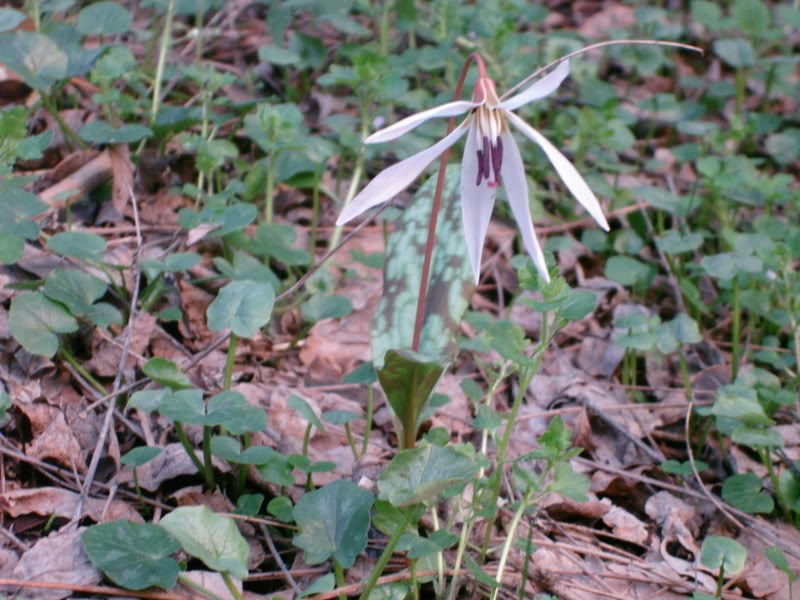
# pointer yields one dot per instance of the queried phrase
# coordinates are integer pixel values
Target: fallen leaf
(59, 502)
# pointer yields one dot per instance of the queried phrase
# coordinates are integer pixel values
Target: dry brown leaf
(48, 501)
(626, 526)
(57, 557)
(613, 15)
(52, 437)
(172, 462)
(122, 173)
(106, 355)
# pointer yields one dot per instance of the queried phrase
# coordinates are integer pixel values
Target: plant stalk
(377, 570)
(230, 360)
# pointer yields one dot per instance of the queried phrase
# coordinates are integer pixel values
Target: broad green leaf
(422, 474)
(75, 289)
(12, 247)
(78, 244)
(281, 508)
(745, 492)
(736, 53)
(241, 306)
(212, 538)
(245, 266)
(757, 437)
(408, 379)
(229, 409)
(568, 482)
(752, 17)
(228, 218)
(133, 555)
(10, 18)
(302, 408)
(5, 404)
(577, 304)
(17, 208)
(333, 521)
(139, 456)
(627, 270)
(363, 374)
(674, 242)
(100, 132)
(718, 551)
(35, 321)
(249, 504)
(325, 306)
(776, 556)
(230, 449)
(166, 373)
(340, 417)
(451, 280)
(103, 18)
(277, 56)
(682, 468)
(103, 314)
(35, 57)
(148, 400)
(740, 403)
(320, 585)
(789, 486)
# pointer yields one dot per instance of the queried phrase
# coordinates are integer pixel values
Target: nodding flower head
(491, 159)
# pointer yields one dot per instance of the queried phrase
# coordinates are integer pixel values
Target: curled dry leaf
(62, 503)
(58, 557)
(52, 437)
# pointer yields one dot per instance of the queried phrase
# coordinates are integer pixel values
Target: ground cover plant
(399, 299)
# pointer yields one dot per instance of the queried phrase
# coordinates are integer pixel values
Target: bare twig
(109, 418)
(88, 589)
(278, 560)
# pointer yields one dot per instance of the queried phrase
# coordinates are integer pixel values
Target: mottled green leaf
(451, 280)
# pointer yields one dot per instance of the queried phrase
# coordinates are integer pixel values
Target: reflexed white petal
(477, 202)
(451, 109)
(539, 89)
(393, 180)
(513, 177)
(572, 179)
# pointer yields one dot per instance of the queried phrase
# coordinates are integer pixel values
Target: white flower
(491, 159)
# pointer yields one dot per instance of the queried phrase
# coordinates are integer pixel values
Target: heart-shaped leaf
(133, 555)
(243, 307)
(165, 372)
(35, 321)
(212, 538)
(333, 521)
(75, 289)
(718, 551)
(745, 492)
(77, 244)
(103, 18)
(230, 449)
(35, 57)
(421, 474)
(229, 409)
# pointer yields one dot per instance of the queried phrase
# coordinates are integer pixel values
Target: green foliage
(210, 537)
(719, 552)
(135, 556)
(35, 322)
(333, 521)
(243, 307)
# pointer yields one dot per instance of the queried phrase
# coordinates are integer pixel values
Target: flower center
(489, 124)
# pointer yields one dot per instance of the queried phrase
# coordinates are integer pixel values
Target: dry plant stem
(88, 589)
(162, 60)
(549, 66)
(276, 556)
(123, 359)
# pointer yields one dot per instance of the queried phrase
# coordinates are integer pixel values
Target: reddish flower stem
(410, 428)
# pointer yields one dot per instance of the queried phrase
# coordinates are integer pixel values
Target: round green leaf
(718, 551)
(323, 306)
(277, 56)
(12, 248)
(35, 321)
(34, 57)
(243, 307)
(103, 18)
(421, 474)
(333, 521)
(100, 132)
(139, 456)
(232, 411)
(10, 18)
(133, 555)
(735, 52)
(75, 289)
(210, 537)
(627, 270)
(165, 372)
(745, 492)
(78, 244)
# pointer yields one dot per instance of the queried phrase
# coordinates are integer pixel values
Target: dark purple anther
(497, 158)
(480, 168)
(487, 157)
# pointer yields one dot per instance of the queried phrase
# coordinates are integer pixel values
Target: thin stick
(548, 66)
(88, 589)
(123, 359)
